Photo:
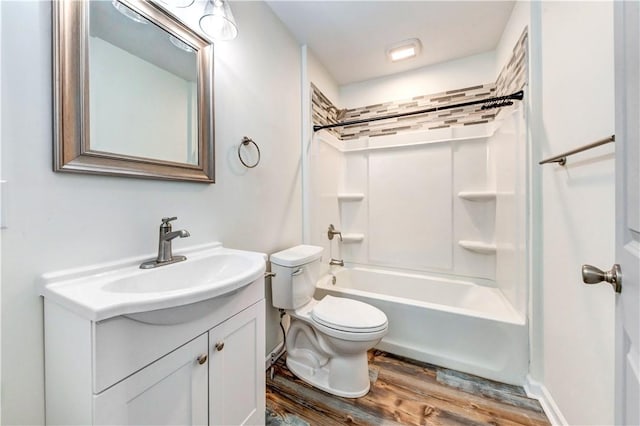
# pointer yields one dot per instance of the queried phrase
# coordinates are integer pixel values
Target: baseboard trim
(540, 392)
(269, 359)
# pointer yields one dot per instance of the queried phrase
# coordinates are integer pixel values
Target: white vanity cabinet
(195, 364)
(170, 391)
(236, 374)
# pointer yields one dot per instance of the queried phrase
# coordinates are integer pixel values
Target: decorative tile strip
(512, 77)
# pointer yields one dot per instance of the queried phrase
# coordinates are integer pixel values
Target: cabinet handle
(219, 346)
(202, 359)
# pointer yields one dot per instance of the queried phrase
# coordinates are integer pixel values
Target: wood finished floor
(403, 392)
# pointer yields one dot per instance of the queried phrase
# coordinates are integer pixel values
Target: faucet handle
(332, 231)
(165, 226)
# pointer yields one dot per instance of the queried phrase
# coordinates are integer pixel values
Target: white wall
(465, 72)
(61, 220)
(519, 19)
(322, 79)
(156, 123)
(576, 85)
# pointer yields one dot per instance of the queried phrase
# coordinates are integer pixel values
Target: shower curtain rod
(497, 102)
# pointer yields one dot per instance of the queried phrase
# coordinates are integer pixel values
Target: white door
(170, 391)
(627, 63)
(237, 369)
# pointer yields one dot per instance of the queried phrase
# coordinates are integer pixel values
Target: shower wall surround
(440, 193)
(511, 79)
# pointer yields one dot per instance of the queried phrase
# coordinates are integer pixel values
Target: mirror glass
(142, 85)
(133, 92)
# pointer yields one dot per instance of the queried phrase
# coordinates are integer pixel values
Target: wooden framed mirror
(133, 92)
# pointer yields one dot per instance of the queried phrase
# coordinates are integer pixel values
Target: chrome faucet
(336, 262)
(165, 256)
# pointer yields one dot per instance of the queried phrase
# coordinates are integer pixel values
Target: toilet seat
(348, 316)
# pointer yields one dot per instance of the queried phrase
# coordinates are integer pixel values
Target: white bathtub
(447, 322)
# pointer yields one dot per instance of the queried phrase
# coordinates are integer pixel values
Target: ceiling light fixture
(134, 16)
(404, 50)
(218, 22)
(180, 44)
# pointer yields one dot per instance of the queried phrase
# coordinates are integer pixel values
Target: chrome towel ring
(246, 141)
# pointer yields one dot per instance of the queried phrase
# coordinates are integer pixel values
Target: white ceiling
(350, 37)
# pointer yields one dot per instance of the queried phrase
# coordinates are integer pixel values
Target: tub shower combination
(451, 323)
(429, 195)
(433, 228)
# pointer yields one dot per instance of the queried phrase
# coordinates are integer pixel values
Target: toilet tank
(297, 270)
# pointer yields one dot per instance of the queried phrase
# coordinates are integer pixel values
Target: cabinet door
(170, 391)
(236, 370)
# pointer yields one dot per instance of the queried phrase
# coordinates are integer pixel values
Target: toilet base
(320, 378)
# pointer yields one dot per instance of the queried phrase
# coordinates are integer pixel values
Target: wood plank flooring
(403, 392)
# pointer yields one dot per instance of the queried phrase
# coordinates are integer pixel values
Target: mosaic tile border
(512, 78)
(323, 111)
(514, 74)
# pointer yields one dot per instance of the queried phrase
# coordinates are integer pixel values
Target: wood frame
(72, 152)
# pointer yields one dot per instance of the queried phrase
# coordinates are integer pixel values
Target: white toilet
(328, 339)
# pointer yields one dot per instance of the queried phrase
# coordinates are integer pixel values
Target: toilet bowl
(328, 339)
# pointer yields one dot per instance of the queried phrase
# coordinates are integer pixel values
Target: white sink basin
(108, 290)
(218, 268)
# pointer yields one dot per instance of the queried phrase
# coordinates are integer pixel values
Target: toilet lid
(348, 315)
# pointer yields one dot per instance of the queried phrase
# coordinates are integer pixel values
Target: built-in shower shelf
(352, 238)
(350, 196)
(478, 246)
(477, 195)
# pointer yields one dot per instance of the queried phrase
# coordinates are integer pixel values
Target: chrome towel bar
(562, 158)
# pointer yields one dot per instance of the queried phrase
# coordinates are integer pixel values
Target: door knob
(593, 275)
(219, 346)
(202, 359)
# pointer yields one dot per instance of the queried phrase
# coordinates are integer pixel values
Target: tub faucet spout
(336, 262)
